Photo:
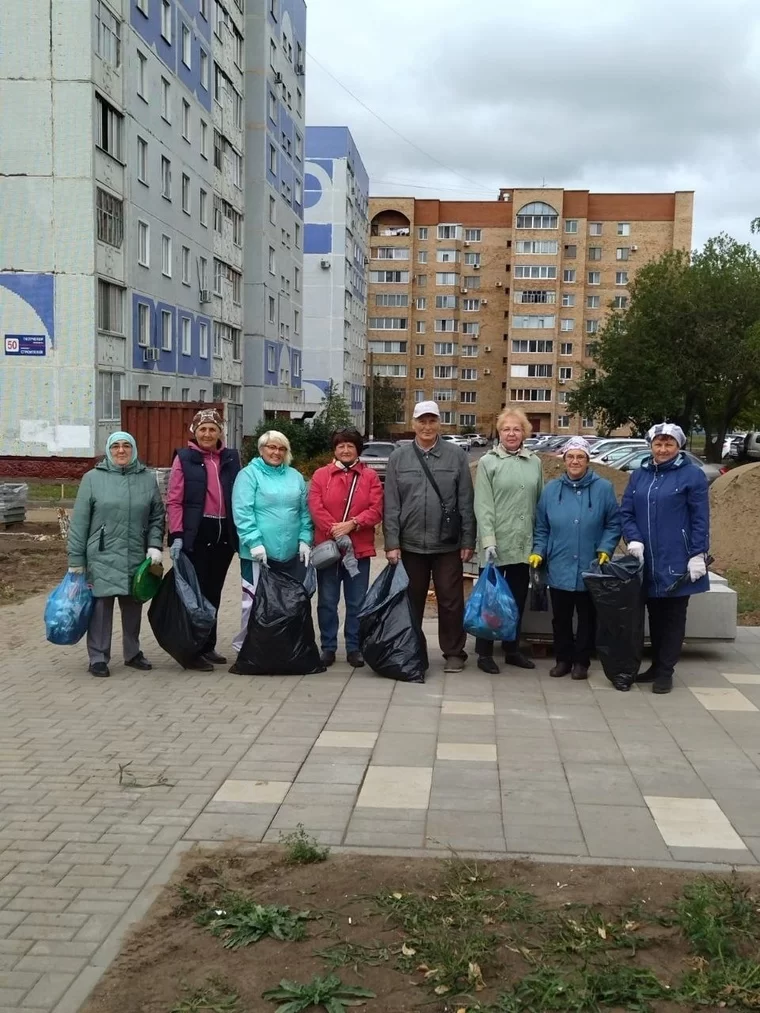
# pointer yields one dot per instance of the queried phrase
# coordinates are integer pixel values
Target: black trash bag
(616, 591)
(280, 638)
(538, 598)
(180, 617)
(390, 637)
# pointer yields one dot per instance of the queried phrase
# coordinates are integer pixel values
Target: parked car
(612, 442)
(618, 452)
(734, 446)
(375, 455)
(635, 460)
(460, 441)
(477, 439)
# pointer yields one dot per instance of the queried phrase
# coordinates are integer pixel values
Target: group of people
(434, 520)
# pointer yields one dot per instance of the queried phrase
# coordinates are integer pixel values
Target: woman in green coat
(508, 484)
(118, 521)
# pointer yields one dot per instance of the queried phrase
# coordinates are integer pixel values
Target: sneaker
(454, 663)
(355, 659)
(140, 662)
(327, 658)
(579, 672)
(487, 664)
(100, 670)
(662, 684)
(214, 658)
(560, 669)
(519, 660)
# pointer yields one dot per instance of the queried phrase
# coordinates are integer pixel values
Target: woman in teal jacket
(118, 521)
(271, 516)
(577, 521)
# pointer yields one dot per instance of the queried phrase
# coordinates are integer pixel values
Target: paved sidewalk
(517, 763)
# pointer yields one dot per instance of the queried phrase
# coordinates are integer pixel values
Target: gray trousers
(101, 626)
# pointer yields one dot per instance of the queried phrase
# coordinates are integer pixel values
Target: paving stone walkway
(517, 763)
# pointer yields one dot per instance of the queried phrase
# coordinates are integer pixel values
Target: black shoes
(647, 676)
(214, 657)
(560, 669)
(519, 660)
(579, 672)
(487, 664)
(140, 662)
(327, 658)
(662, 684)
(355, 659)
(100, 670)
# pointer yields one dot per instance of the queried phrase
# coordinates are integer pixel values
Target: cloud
(604, 95)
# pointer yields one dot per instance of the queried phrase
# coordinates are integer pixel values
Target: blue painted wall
(148, 27)
(173, 361)
(38, 291)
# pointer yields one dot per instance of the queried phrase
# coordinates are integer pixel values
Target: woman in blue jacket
(666, 523)
(271, 517)
(577, 521)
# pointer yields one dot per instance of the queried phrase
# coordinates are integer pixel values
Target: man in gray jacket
(432, 530)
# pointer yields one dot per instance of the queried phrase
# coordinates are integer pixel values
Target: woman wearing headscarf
(345, 500)
(117, 522)
(666, 523)
(577, 521)
(271, 516)
(508, 484)
(199, 510)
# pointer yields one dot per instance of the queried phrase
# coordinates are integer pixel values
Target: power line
(478, 186)
(420, 186)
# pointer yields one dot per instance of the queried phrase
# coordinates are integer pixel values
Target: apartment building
(336, 259)
(496, 303)
(135, 162)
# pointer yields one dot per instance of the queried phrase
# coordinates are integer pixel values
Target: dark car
(375, 455)
(710, 471)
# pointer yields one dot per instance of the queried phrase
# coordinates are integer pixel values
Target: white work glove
(636, 549)
(175, 549)
(697, 568)
(259, 554)
(76, 569)
(489, 553)
(155, 556)
(304, 553)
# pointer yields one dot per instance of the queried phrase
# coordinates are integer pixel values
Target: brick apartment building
(481, 304)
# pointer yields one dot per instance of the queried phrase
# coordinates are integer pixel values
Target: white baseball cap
(426, 408)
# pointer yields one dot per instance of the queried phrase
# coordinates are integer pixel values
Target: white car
(476, 439)
(460, 441)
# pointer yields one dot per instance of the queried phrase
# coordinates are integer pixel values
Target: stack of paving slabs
(13, 503)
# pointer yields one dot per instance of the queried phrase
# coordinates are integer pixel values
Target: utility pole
(371, 397)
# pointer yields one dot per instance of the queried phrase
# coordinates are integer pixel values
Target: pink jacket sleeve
(175, 499)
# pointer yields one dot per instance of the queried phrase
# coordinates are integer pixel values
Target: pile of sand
(553, 467)
(734, 519)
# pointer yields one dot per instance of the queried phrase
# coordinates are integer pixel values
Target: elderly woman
(577, 520)
(666, 523)
(117, 522)
(508, 484)
(199, 509)
(271, 516)
(345, 499)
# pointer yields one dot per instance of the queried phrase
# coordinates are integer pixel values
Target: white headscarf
(667, 429)
(577, 443)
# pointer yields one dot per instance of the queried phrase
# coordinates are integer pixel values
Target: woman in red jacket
(334, 515)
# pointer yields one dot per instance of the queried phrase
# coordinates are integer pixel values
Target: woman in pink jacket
(345, 498)
(199, 507)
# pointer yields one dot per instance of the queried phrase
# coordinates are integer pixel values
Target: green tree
(387, 402)
(336, 411)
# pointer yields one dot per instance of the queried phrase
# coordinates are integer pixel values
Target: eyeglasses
(275, 448)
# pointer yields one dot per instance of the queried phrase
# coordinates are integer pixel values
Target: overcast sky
(604, 95)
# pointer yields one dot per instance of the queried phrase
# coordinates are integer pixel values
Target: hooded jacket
(269, 508)
(328, 494)
(200, 485)
(666, 507)
(118, 515)
(507, 488)
(575, 521)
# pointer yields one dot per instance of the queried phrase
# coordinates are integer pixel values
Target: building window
(594, 253)
(166, 256)
(442, 256)
(109, 396)
(185, 394)
(571, 251)
(387, 299)
(593, 302)
(110, 218)
(185, 193)
(468, 374)
(567, 324)
(270, 360)
(388, 347)
(204, 139)
(622, 253)
(444, 348)
(166, 108)
(166, 20)
(592, 327)
(142, 160)
(419, 372)
(186, 120)
(537, 216)
(203, 272)
(532, 246)
(444, 372)
(565, 372)
(595, 228)
(271, 309)
(419, 349)
(187, 46)
(620, 302)
(202, 390)
(237, 348)
(534, 345)
(472, 259)
(388, 323)
(467, 421)
(272, 261)
(587, 422)
(422, 257)
(535, 295)
(204, 69)
(445, 302)
(142, 6)
(203, 342)
(473, 235)
(110, 307)
(446, 326)
(107, 35)
(449, 231)
(594, 278)
(530, 394)
(143, 244)
(296, 322)
(624, 228)
(422, 233)
(447, 418)
(568, 299)
(471, 305)
(297, 279)
(445, 279)
(166, 330)
(142, 66)
(273, 159)
(109, 128)
(543, 369)
(591, 349)
(236, 279)
(470, 351)
(533, 320)
(271, 107)
(166, 178)
(218, 273)
(563, 422)
(420, 327)
(185, 265)
(533, 271)
(566, 348)
(187, 344)
(203, 207)
(419, 279)
(166, 393)
(421, 302)
(621, 277)
(571, 226)
(143, 325)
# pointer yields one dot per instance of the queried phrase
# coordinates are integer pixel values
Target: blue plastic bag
(68, 610)
(491, 611)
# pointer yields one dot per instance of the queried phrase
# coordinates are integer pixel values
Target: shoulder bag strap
(429, 475)
(354, 483)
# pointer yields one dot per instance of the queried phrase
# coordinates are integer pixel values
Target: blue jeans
(329, 581)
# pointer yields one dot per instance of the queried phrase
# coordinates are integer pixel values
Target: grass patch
(301, 848)
(554, 989)
(329, 993)
(717, 916)
(240, 921)
(52, 490)
(747, 587)
(348, 954)
(735, 984)
(215, 997)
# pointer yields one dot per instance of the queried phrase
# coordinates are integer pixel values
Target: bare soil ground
(32, 559)
(445, 936)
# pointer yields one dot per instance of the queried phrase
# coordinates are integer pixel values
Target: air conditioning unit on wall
(204, 295)
(151, 355)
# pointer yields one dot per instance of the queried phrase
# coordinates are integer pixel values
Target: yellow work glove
(535, 560)
(603, 558)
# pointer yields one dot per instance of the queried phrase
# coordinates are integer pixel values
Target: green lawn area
(747, 587)
(52, 490)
